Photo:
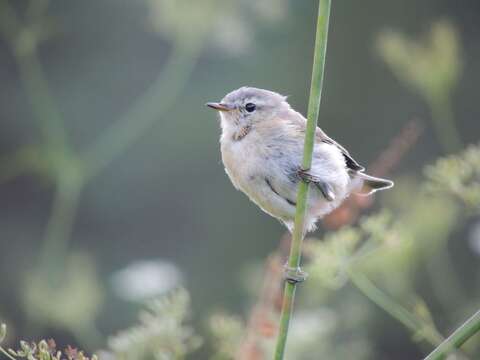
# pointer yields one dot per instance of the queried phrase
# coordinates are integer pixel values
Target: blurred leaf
(329, 256)
(45, 350)
(422, 312)
(70, 298)
(228, 24)
(313, 332)
(457, 176)
(412, 236)
(431, 67)
(161, 334)
(228, 332)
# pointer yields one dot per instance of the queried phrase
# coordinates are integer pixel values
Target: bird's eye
(250, 107)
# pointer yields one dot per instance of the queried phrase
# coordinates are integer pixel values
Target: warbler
(262, 148)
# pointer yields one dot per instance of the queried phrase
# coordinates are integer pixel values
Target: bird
(261, 142)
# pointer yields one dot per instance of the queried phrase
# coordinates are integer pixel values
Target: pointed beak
(220, 106)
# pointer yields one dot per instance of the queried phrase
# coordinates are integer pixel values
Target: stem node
(294, 275)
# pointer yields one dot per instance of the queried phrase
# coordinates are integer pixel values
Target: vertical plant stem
(23, 42)
(41, 99)
(313, 110)
(444, 123)
(457, 339)
(67, 194)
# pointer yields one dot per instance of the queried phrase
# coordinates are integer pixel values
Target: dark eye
(250, 107)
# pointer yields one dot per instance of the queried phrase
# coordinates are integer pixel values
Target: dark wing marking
(300, 121)
(277, 193)
(349, 160)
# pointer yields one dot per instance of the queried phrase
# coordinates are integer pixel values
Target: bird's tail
(367, 185)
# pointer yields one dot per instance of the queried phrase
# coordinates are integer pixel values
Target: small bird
(262, 148)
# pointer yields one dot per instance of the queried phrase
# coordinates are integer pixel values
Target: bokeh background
(113, 192)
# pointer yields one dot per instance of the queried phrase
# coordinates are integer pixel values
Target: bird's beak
(220, 106)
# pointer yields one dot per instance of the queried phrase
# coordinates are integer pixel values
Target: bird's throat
(241, 133)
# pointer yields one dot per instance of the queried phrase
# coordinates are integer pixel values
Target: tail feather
(370, 184)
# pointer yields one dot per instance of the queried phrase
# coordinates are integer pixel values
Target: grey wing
(349, 160)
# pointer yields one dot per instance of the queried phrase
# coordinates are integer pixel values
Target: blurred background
(113, 192)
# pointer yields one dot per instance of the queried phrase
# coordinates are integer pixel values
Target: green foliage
(227, 332)
(432, 67)
(162, 333)
(77, 292)
(229, 30)
(42, 350)
(313, 332)
(331, 257)
(68, 300)
(458, 176)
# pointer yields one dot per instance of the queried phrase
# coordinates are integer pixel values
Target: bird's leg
(294, 275)
(325, 188)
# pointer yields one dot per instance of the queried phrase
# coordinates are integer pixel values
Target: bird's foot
(325, 188)
(294, 275)
(305, 175)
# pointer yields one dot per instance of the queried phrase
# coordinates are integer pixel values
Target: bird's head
(247, 106)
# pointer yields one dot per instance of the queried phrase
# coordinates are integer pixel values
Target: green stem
(41, 99)
(23, 41)
(68, 188)
(313, 110)
(5, 352)
(457, 339)
(397, 311)
(65, 169)
(444, 123)
(146, 110)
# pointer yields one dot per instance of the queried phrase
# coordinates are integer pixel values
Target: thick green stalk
(313, 110)
(457, 339)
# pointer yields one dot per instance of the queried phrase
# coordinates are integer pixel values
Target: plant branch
(457, 339)
(146, 110)
(394, 309)
(23, 41)
(5, 352)
(444, 123)
(41, 99)
(59, 227)
(313, 110)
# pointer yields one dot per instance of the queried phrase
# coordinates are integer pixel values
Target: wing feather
(299, 122)
(349, 160)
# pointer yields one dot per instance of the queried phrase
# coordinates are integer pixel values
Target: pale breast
(242, 159)
(253, 170)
